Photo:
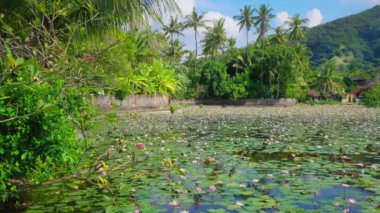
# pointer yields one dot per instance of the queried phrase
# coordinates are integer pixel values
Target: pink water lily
(140, 146)
(198, 189)
(212, 188)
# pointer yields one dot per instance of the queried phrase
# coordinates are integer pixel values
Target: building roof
(313, 94)
(356, 91)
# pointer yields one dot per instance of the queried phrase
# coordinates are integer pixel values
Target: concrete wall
(133, 102)
(142, 102)
(244, 102)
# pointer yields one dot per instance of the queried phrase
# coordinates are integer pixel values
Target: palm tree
(296, 25)
(215, 38)
(279, 37)
(231, 44)
(174, 28)
(99, 15)
(195, 21)
(177, 53)
(246, 20)
(263, 21)
(328, 80)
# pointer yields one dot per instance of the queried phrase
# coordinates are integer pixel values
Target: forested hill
(354, 40)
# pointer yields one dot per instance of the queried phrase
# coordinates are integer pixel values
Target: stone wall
(144, 102)
(284, 102)
(133, 102)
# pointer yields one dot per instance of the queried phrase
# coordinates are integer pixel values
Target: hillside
(353, 40)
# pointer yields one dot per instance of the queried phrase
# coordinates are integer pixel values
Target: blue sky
(330, 9)
(317, 11)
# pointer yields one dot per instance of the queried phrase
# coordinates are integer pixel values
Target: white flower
(351, 201)
(239, 204)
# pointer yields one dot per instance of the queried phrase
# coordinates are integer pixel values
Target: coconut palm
(178, 52)
(215, 38)
(296, 26)
(328, 79)
(279, 37)
(97, 14)
(174, 28)
(246, 20)
(263, 21)
(195, 21)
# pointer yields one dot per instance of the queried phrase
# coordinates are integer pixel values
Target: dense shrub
(155, 78)
(213, 77)
(372, 98)
(36, 124)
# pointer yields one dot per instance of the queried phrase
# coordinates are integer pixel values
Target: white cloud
(315, 17)
(186, 6)
(281, 18)
(230, 24)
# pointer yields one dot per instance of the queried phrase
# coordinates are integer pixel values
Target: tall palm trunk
(196, 49)
(246, 48)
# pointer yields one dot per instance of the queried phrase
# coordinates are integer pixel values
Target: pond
(226, 159)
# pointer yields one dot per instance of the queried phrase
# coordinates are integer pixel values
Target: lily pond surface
(232, 159)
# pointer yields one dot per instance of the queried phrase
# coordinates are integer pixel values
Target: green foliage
(329, 82)
(174, 107)
(354, 39)
(37, 117)
(157, 78)
(372, 97)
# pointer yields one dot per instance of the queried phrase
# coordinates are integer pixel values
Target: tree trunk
(196, 49)
(246, 48)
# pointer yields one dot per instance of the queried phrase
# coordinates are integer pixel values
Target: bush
(149, 79)
(37, 132)
(372, 97)
(214, 76)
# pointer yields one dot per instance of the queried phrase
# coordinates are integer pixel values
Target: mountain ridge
(353, 40)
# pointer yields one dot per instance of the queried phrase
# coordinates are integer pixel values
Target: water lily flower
(242, 186)
(336, 204)
(198, 189)
(351, 201)
(239, 204)
(219, 183)
(136, 211)
(255, 181)
(184, 211)
(212, 188)
(140, 146)
(270, 176)
(345, 185)
(174, 203)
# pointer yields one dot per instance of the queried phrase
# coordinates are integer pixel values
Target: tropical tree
(195, 21)
(174, 28)
(296, 26)
(215, 38)
(328, 81)
(43, 28)
(177, 52)
(279, 37)
(263, 21)
(246, 20)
